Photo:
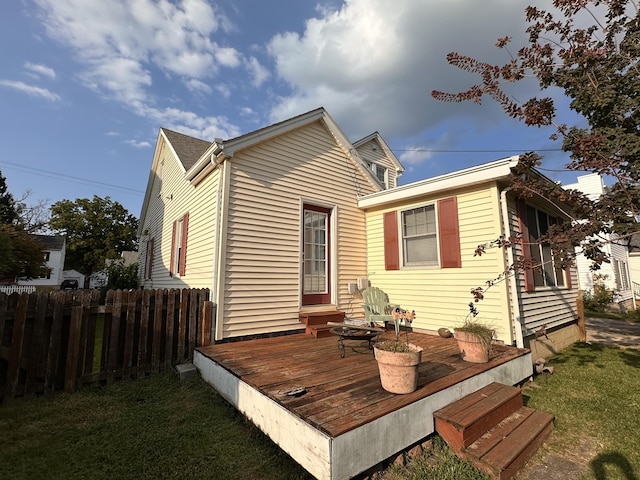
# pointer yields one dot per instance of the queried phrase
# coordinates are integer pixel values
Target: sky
(85, 85)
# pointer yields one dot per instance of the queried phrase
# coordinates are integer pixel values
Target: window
(178, 262)
(47, 256)
(545, 272)
(621, 274)
(148, 261)
(380, 172)
(419, 237)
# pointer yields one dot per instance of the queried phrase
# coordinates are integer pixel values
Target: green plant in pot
(398, 360)
(474, 338)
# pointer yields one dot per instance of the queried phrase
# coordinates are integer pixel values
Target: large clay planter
(472, 348)
(399, 370)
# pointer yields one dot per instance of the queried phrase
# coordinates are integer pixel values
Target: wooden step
(463, 422)
(321, 318)
(506, 448)
(319, 331)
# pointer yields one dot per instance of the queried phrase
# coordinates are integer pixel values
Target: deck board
(343, 393)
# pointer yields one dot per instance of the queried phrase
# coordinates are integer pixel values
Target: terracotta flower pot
(472, 348)
(399, 370)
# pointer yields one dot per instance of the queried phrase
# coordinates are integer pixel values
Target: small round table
(348, 333)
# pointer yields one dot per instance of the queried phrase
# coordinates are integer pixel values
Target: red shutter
(391, 255)
(173, 250)
(529, 282)
(449, 233)
(183, 247)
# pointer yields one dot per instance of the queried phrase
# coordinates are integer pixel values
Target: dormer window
(380, 172)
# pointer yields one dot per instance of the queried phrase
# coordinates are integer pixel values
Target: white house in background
(616, 273)
(54, 252)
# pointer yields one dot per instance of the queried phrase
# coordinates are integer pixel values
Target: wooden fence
(65, 339)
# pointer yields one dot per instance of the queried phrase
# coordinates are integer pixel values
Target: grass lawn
(154, 428)
(159, 428)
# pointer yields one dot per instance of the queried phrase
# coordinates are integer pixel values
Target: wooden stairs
(493, 430)
(316, 322)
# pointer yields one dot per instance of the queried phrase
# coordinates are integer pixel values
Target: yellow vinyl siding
(268, 184)
(440, 296)
(171, 198)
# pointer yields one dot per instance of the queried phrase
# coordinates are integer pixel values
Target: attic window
(381, 173)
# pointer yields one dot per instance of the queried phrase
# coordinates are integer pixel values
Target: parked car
(69, 285)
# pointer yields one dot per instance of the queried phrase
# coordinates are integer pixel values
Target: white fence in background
(9, 289)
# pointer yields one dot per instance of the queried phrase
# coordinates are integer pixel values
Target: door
(316, 255)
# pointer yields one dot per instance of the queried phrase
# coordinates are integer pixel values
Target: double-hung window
(419, 236)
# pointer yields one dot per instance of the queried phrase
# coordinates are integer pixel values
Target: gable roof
(377, 137)
(188, 149)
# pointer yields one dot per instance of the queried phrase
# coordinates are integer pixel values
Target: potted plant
(474, 338)
(398, 360)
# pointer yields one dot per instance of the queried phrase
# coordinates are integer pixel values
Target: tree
(21, 255)
(590, 50)
(8, 214)
(96, 230)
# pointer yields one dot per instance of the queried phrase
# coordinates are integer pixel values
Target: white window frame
(542, 275)
(431, 236)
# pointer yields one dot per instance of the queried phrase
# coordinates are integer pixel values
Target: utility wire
(70, 178)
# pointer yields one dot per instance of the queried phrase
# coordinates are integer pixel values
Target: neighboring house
(55, 248)
(421, 244)
(634, 265)
(100, 278)
(615, 275)
(268, 221)
(286, 219)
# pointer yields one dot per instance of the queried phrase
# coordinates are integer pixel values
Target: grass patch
(153, 428)
(594, 395)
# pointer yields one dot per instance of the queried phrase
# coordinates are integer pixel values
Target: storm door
(316, 255)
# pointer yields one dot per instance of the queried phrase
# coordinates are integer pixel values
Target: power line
(70, 178)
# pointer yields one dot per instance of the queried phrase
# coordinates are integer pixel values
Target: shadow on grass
(613, 459)
(583, 353)
(631, 357)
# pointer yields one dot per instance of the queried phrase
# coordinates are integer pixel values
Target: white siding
(267, 185)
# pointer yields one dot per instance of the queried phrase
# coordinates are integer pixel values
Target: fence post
(205, 325)
(15, 355)
(73, 350)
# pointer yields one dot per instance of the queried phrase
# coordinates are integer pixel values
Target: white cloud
(196, 85)
(30, 90)
(40, 70)
(258, 73)
(122, 44)
(374, 63)
(137, 144)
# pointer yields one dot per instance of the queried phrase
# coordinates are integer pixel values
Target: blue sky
(85, 85)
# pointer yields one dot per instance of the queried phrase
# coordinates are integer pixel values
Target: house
(421, 250)
(55, 248)
(289, 218)
(268, 221)
(615, 274)
(74, 275)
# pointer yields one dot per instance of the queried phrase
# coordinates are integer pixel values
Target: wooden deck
(342, 422)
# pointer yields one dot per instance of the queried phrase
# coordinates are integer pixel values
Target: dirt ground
(572, 465)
